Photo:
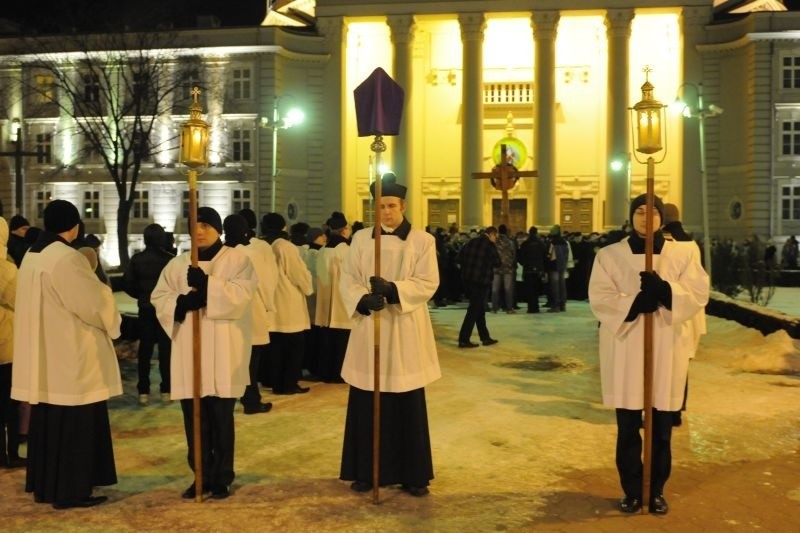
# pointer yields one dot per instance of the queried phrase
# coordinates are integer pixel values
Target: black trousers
(9, 418)
(216, 438)
(629, 451)
(150, 334)
(476, 312)
(286, 359)
(332, 351)
(532, 283)
(252, 395)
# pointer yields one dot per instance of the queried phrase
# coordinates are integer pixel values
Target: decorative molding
(618, 22)
(472, 26)
(545, 25)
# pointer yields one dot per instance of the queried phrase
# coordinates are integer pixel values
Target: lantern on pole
(193, 154)
(648, 117)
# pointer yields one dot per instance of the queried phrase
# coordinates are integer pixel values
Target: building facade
(551, 79)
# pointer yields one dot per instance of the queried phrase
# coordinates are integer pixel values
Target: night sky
(57, 15)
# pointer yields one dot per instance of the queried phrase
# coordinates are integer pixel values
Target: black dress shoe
(630, 505)
(658, 505)
(220, 492)
(258, 408)
(467, 344)
(415, 491)
(361, 486)
(489, 342)
(676, 419)
(190, 492)
(297, 389)
(89, 501)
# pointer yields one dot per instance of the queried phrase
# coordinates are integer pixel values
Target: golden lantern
(648, 116)
(194, 137)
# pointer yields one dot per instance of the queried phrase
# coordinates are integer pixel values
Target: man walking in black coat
(140, 279)
(478, 258)
(531, 256)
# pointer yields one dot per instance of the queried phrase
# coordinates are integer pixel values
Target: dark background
(56, 16)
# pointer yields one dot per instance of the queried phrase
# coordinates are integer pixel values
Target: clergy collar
(209, 253)
(400, 231)
(637, 243)
(45, 239)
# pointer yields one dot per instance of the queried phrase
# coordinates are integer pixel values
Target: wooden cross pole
(503, 177)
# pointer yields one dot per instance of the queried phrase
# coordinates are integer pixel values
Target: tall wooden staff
(379, 108)
(648, 116)
(194, 154)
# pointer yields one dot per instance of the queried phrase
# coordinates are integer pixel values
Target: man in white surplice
(620, 293)
(408, 358)
(223, 283)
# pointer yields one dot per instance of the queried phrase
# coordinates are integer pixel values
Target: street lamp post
(647, 121)
(292, 117)
(18, 153)
(701, 113)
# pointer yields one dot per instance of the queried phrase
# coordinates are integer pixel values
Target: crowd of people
(304, 303)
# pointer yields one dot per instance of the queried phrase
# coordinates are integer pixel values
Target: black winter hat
(60, 216)
(236, 230)
(337, 220)
(208, 215)
(272, 221)
(17, 221)
(642, 200)
(249, 216)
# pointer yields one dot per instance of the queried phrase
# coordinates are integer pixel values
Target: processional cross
(504, 176)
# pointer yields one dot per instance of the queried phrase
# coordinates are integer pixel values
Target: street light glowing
(293, 117)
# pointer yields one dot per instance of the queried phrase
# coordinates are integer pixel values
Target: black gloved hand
(196, 278)
(370, 302)
(189, 302)
(656, 288)
(388, 289)
(643, 303)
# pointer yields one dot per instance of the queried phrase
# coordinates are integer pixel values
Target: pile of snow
(777, 355)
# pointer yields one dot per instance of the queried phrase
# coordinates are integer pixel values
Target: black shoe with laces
(489, 341)
(220, 492)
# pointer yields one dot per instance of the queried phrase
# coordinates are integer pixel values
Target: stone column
(618, 31)
(545, 25)
(693, 21)
(472, 27)
(333, 112)
(402, 34)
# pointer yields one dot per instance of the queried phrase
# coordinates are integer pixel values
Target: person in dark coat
(478, 259)
(531, 256)
(139, 280)
(17, 227)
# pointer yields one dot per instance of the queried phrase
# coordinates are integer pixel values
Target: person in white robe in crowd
(408, 358)
(621, 292)
(332, 318)
(9, 409)
(65, 365)
(220, 289)
(237, 234)
(291, 315)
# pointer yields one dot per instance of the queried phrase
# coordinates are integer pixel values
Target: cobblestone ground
(520, 443)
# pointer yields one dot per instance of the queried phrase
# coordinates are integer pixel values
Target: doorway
(576, 215)
(517, 214)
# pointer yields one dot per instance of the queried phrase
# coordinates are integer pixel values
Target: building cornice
(357, 8)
